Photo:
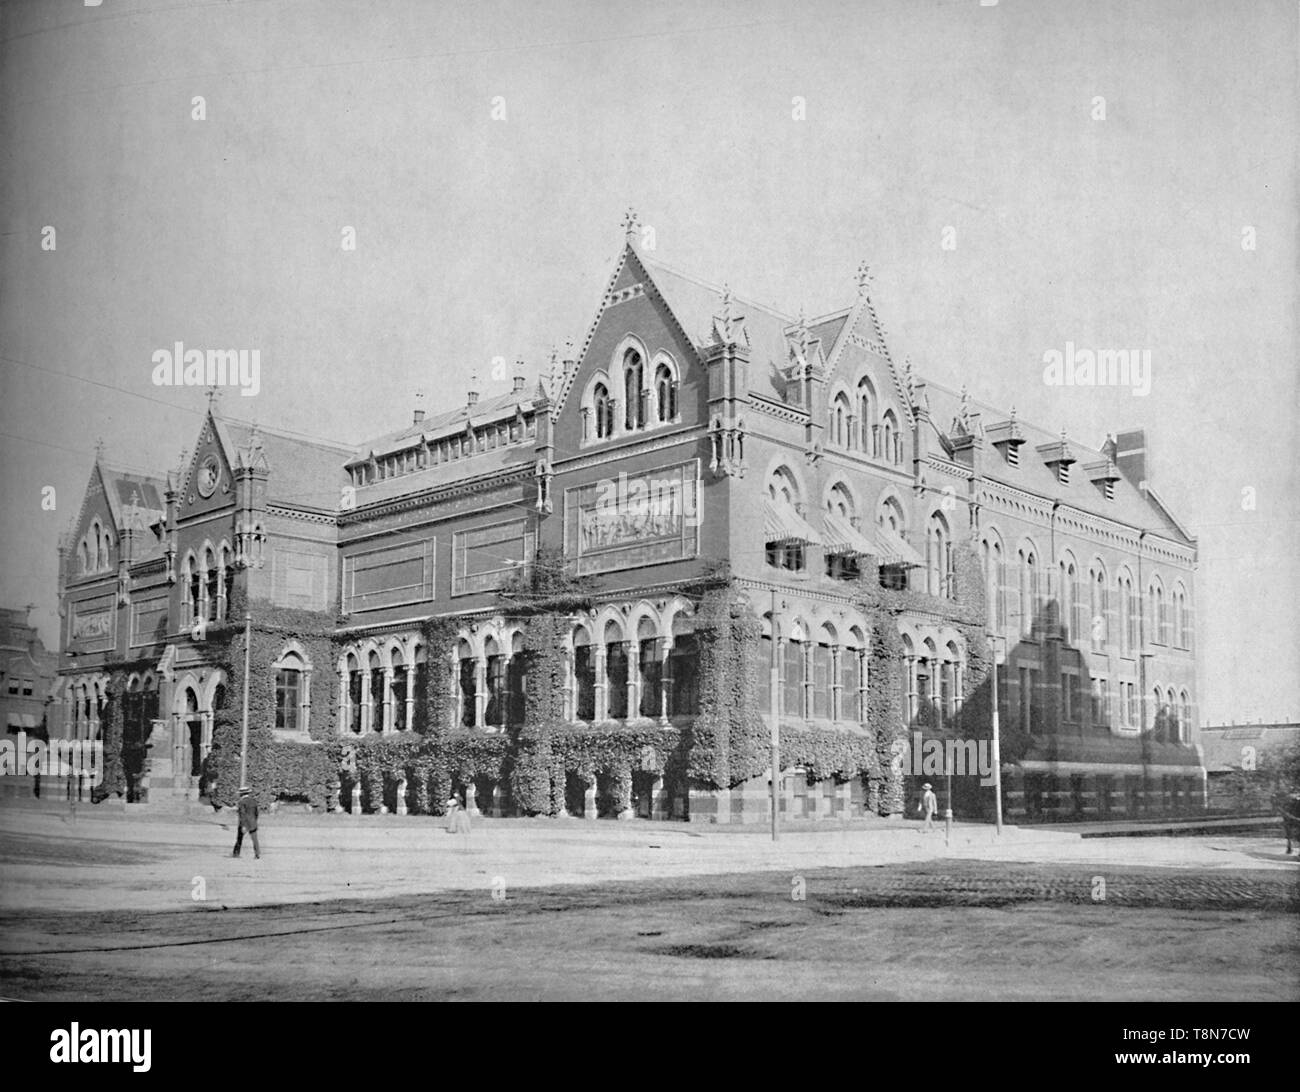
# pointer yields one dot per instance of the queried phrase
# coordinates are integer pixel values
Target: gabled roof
(124, 488)
(694, 303)
(1035, 476)
(301, 472)
(499, 408)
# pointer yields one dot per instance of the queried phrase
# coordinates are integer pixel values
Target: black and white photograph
(718, 501)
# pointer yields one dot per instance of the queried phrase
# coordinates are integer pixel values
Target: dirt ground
(942, 930)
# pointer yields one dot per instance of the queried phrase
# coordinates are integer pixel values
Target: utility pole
(773, 682)
(997, 750)
(243, 736)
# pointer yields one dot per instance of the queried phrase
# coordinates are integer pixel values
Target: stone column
(345, 711)
(658, 798)
(386, 718)
(401, 795)
(410, 697)
(356, 798)
(634, 680)
(480, 691)
(471, 799)
(665, 678)
(366, 708)
(602, 684)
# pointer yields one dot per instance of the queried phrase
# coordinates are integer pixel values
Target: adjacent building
(589, 592)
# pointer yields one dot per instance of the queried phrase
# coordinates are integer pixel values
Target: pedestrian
(247, 822)
(453, 806)
(929, 805)
(462, 816)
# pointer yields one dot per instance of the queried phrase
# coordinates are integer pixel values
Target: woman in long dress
(453, 806)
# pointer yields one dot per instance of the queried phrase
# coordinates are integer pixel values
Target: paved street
(394, 908)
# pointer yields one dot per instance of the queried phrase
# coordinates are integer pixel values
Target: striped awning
(843, 538)
(781, 523)
(21, 720)
(893, 549)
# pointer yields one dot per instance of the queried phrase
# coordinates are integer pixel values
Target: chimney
(1131, 456)
(418, 415)
(473, 390)
(519, 376)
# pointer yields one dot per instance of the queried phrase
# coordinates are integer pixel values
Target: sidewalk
(116, 861)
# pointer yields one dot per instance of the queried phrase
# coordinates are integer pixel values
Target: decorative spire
(864, 279)
(909, 380)
(963, 412)
(631, 227)
(99, 449)
(803, 335)
(214, 399)
(728, 327)
(553, 376)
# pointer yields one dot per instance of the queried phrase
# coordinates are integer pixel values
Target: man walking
(929, 805)
(247, 822)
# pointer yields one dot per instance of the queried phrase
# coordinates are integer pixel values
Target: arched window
(634, 390)
(584, 676)
(83, 556)
(603, 409)
(1098, 607)
(841, 412)
(211, 585)
(1182, 633)
(938, 557)
(292, 691)
(839, 502)
(1028, 589)
(665, 394)
(868, 430)
(794, 673)
(467, 665)
(889, 515)
(994, 579)
(891, 447)
(786, 552)
(1067, 600)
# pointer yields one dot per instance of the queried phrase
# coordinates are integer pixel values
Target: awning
(21, 720)
(781, 523)
(893, 549)
(843, 538)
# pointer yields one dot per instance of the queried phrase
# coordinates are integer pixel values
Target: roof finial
(99, 449)
(631, 227)
(553, 376)
(803, 334)
(963, 413)
(214, 398)
(864, 279)
(909, 379)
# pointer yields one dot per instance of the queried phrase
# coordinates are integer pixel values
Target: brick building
(587, 592)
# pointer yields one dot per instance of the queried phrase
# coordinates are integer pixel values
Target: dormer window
(1012, 452)
(1063, 473)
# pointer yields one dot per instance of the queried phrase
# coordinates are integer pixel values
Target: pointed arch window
(604, 411)
(665, 394)
(634, 390)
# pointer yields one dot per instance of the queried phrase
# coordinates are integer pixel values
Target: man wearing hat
(928, 804)
(247, 821)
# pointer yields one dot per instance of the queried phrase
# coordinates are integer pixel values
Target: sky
(1019, 175)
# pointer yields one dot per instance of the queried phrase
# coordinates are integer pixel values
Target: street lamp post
(773, 682)
(997, 750)
(243, 735)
